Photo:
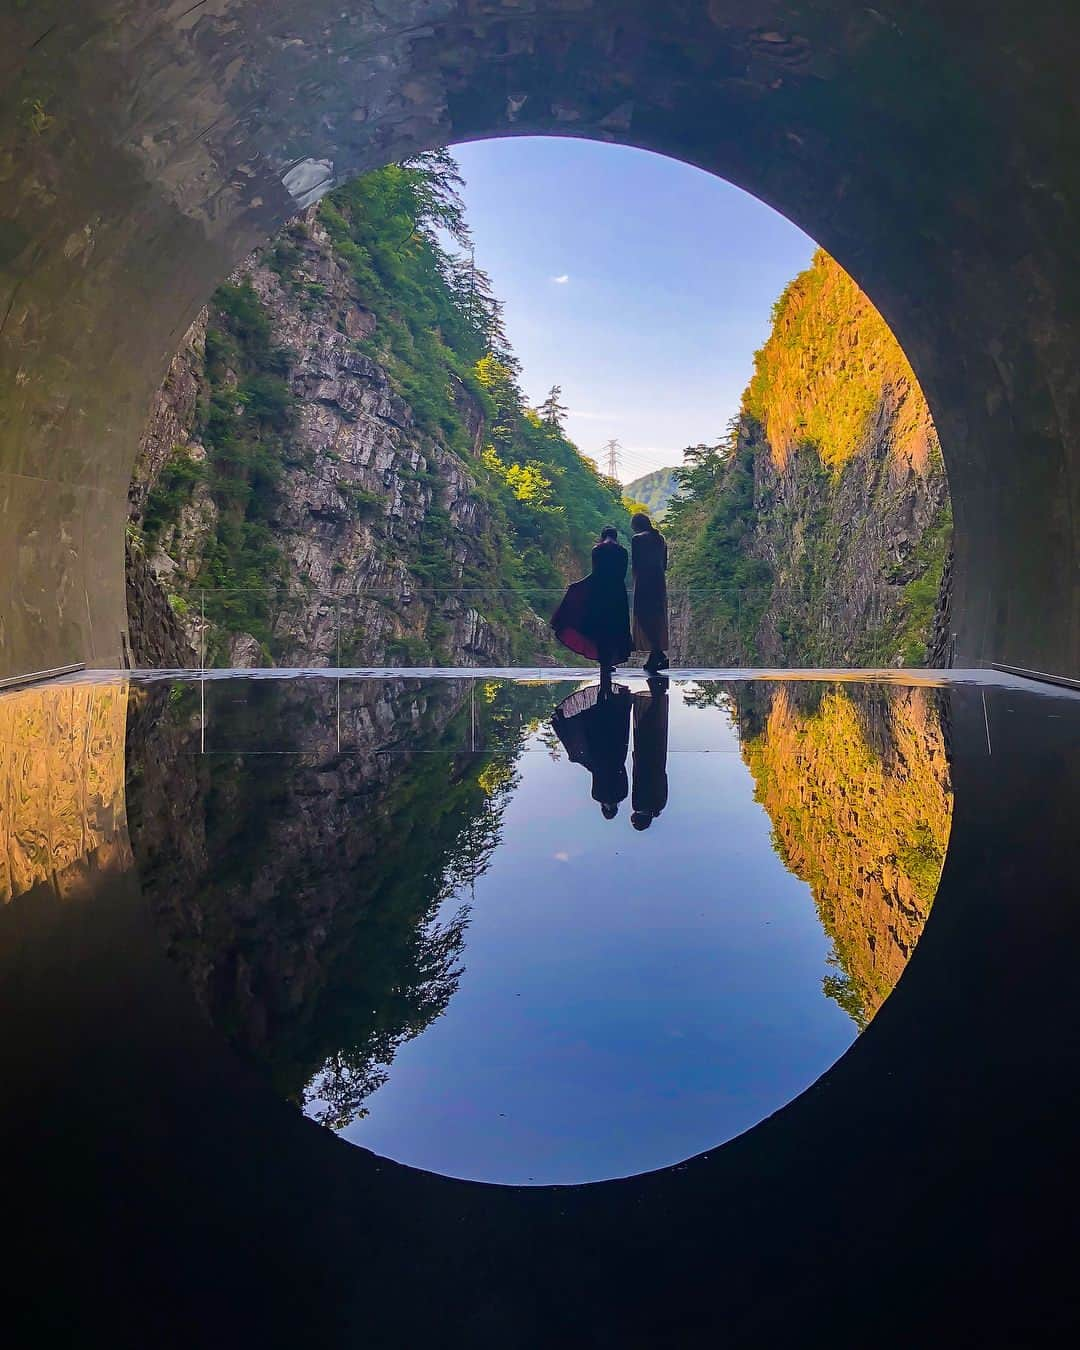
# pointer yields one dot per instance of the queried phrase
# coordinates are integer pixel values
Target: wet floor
(506, 931)
(523, 932)
(627, 989)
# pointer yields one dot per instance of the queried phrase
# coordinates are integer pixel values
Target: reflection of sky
(629, 999)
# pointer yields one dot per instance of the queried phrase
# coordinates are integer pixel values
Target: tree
(552, 412)
(471, 291)
(430, 190)
(501, 387)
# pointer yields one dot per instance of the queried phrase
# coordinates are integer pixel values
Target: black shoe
(660, 663)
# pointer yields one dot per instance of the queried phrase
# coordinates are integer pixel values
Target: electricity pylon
(611, 449)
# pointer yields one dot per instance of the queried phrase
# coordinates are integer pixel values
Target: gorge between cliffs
(341, 469)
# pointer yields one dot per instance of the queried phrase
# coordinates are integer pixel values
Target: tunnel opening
(349, 463)
(354, 383)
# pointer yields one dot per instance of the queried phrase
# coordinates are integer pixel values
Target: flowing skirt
(595, 731)
(594, 619)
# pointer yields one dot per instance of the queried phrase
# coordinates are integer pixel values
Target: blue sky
(640, 285)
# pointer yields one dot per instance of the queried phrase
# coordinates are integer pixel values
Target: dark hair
(610, 810)
(609, 532)
(641, 820)
(640, 521)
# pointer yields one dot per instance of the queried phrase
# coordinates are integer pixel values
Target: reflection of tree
(856, 781)
(408, 988)
(302, 894)
(438, 827)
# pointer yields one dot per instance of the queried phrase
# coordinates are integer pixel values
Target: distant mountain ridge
(654, 491)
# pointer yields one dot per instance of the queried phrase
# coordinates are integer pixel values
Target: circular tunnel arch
(148, 149)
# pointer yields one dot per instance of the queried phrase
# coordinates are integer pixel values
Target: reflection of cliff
(299, 893)
(61, 784)
(861, 806)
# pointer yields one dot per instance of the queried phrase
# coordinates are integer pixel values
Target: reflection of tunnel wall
(62, 813)
(147, 146)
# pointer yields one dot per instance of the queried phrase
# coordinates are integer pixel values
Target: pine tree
(552, 412)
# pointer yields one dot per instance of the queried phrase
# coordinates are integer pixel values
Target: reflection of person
(650, 754)
(594, 617)
(594, 726)
(649, 551)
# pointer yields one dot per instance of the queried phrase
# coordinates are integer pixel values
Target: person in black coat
(649, 551)
(593, 725)
(650, 791)
(594, 616)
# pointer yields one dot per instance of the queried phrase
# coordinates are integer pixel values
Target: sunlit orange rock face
(861, 805)
(61, 785)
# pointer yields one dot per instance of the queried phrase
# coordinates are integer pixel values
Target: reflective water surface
(511, 931)
(251, 929)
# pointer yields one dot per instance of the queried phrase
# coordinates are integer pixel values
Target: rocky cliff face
(357, 484)
(341, 467)
(823, 524)
(861, 804)
(849, 555)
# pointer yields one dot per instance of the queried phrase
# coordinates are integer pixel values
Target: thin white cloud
(561, 281)
(595, 417)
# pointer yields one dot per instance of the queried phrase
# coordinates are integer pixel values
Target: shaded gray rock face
(360, 482)
(842, 553)
(159, 639)
(172, 416)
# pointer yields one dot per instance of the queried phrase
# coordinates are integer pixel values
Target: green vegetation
(812, 499)
(709, 524)
(169, 494)
(922, 591)
(435, 314)
(818, 380)
(653, 492)
(249, 419)
(439, 334)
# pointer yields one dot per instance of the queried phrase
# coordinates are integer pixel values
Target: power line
(647, 458)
